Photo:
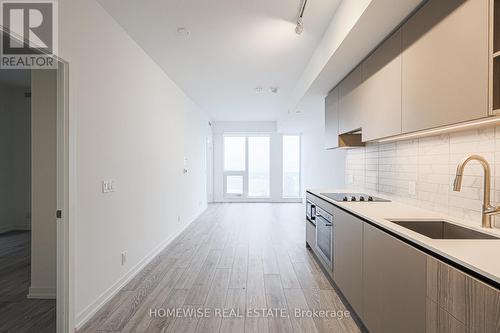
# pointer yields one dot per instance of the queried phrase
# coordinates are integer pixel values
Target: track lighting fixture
(300, 22)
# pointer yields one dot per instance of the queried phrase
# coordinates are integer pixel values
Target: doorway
(34, 192)
(29, 191)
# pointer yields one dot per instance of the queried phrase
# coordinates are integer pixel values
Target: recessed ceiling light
(183, 31)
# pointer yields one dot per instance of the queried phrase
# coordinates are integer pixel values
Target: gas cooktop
(361, 197)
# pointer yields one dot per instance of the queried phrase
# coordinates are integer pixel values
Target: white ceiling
(233, 47)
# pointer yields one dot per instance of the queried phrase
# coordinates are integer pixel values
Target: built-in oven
(311, 211)
(324, 234)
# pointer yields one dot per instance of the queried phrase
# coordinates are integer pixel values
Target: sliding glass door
(247, 166)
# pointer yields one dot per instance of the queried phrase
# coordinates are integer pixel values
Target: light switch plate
(108, 186)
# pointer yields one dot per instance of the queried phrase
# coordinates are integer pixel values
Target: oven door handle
(326, 223)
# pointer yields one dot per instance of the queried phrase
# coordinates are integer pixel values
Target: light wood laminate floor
(244, 257)
(17, 313)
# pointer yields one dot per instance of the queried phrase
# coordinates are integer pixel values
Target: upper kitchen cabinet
(381, 90)
(332, 119)
(351, 112)
(445, 63)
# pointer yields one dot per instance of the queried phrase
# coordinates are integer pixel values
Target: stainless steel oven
(311, 211)
(324, 235)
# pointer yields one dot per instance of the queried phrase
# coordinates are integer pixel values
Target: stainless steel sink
(437, 229)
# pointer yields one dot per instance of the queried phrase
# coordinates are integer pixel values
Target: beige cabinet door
(350, 112)
(311, 235)
(394, 284)
(348, 257)
(445, 64)
(332, 119)
(381, 100)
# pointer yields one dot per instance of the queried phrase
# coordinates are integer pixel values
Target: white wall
(14, 162)
(320, 168)
(44, 183)
(135, 126)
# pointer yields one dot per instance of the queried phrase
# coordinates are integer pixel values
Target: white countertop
(481, 256)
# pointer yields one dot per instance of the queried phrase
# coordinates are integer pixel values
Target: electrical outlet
(124, 258)
(412, 188)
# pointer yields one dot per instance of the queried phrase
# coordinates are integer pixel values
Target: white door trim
(64, 300)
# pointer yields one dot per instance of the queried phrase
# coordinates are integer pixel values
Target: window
(291, 166)
(234, 153)
(247, 166)
(234, 185)
(259, 156)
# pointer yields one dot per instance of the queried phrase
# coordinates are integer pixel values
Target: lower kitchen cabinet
(394, 284)
(393, 287)
(348, 257)
(311, 235)
(457, 302)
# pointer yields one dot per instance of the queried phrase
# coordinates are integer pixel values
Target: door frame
(65, 253)
(65, 231)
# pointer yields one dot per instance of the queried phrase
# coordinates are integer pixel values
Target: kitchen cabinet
(311, 235)
(332, 119)
(348, 257)
(445, 64)
(457, 302)
(394, 284)
(350, 106)
(381, 90)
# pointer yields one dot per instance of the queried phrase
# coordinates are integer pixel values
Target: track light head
(300, 23)
(300, 26)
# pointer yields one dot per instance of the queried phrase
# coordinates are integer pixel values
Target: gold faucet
(488, 209)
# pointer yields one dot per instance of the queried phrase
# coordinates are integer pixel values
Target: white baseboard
(41, 293)
(83, 317)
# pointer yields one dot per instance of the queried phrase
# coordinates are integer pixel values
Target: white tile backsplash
(388, 168)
